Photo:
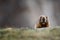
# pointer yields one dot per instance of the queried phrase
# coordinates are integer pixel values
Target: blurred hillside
(30, 34)
(25, 13)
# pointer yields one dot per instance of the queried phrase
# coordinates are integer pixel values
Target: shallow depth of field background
(25, 13)
(18, 19)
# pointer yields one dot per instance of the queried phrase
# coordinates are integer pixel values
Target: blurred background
(25, 13)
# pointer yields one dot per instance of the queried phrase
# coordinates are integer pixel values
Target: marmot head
(43, 19)
(43, 22)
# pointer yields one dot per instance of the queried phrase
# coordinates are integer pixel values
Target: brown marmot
(43, 22)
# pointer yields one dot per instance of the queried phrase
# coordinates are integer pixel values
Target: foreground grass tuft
(29, 34)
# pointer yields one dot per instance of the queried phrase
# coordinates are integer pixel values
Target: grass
(30, 34)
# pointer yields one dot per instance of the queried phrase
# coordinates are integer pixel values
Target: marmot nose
(43, 19)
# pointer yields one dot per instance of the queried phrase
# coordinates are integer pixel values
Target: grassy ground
(30, 34)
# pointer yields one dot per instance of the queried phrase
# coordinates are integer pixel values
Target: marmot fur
(43, 22)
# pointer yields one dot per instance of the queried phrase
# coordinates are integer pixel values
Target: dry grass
(29, 34)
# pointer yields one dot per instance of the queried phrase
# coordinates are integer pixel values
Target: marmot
(43, 22)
